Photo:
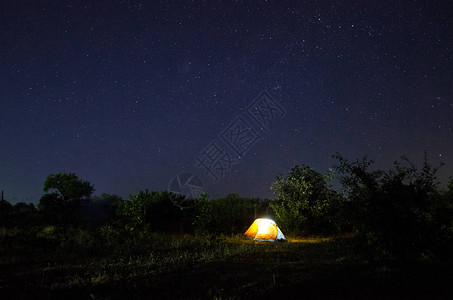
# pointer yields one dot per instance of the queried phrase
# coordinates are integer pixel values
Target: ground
(187, 267)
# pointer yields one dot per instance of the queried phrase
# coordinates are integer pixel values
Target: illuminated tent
(264, 230)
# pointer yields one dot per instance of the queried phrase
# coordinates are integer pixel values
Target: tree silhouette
(305, 201)
(65, 193)
(397, 214)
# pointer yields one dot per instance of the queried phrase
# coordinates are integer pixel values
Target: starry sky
(129, 94)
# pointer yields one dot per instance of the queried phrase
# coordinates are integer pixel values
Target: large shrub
(230, 215)
(396, 213)
(305, 203)
(154, 211)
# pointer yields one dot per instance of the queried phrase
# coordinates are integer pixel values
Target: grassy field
(58, 263)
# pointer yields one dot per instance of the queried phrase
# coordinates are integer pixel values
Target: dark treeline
(399, 214)
(152, 211)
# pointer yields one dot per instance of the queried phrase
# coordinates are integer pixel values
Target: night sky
(129, 94)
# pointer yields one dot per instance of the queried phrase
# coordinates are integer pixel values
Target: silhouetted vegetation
(230, 215)
(398, 214)
(397, 220)
(152, 212)
(19, 215)
(65, 195)
(306, 204)
(101, 210)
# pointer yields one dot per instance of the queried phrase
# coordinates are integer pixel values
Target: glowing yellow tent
(264, 230)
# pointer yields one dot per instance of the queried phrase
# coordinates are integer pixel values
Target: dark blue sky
(127, 94)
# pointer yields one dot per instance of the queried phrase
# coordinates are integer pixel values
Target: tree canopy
(397, 213)
(65, 193)
(68, 186)
(304, 201)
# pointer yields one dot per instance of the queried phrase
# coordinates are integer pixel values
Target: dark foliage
(65, 195)
(101, 210)
(305, 204)
(5, 212)
(153, 211)
(19, 215)
(229, 215)
(398, 214)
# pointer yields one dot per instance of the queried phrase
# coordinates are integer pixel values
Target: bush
(154, 211)
(305, 203)
(397, 214)
(230, 215)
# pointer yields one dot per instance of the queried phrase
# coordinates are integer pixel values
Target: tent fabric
(264, 230)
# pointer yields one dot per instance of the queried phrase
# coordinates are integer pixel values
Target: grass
(75, 263)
